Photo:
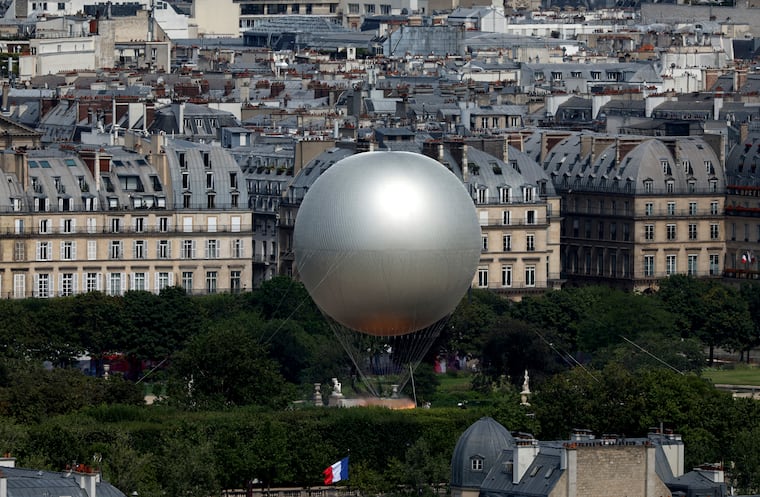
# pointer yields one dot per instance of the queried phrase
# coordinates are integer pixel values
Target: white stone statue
(337, 388)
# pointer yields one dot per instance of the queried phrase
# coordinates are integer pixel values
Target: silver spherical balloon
(387, 243)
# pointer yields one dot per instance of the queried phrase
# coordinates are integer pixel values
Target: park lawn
(741, 375)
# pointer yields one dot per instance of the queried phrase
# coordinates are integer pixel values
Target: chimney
(458, 149)
(7, 461)
(581, 435)
(6, 92)
(523, 455)
(3, 485)
(713, 472)
(717, 105)
(505, 150)
(87, 478)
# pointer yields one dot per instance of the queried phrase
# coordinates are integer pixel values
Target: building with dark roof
(489, 462)
(635, 209)
(80, 482)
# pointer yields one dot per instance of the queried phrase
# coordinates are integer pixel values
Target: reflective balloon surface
(387, 243)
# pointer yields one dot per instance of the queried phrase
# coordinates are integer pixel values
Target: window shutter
(75, 283)
(35, 292)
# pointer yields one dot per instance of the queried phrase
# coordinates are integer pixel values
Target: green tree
(186, 464)
(727, 320)
(750, 293)
(512, 347)
(226, 366)
(619, 316)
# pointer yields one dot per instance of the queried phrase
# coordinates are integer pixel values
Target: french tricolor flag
(336, 472)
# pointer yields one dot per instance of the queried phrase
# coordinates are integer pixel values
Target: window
(115, 225)
(648, 208)
(138, 282)
(163, 224)
(587, 228)
(476, 464)
(185, 181)
(505, 194)
(528, 193)
(671, 231)
(692, 232)
(671, 208)
(67, 225)
(163, 249)
(67, 284)
(484, 243)
(114, 250)
(714, 232)
(139, 249)
(19, 251)
(385, 9)
(692, 208)
(648, 265)
(211, 224)
(530, 275)
(44, 226)
(506, 243)
(139, 224)
(530, 243)
(211, 285)
(187, 281)
(666, 168)
(648, 186)
(212, 249)
(626, 232)
(237, 249)
(613, 231)
(42, 285)
(691, 265)
(714, 269)
(114, 284)
(506, 275)
(353, 8)
(19, 285)
(209, 181)
(44, 252)
(601, 230)
(92, 250)
(530, 217)
(505, 217)
(649, 232)
(92, 282)
(92, 225)
(188, 249)
(670, 264)
(482, 277)
(714, 208)
(68, 251)
(163, 280)
(482, 195)
(235, 281)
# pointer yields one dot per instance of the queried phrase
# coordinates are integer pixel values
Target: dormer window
(504, 194)
(666, 167)
(476, 464)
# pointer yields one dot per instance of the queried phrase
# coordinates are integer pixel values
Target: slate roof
(33, 483)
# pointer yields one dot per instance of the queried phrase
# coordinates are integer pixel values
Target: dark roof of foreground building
(35, 483)
(487, 439)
